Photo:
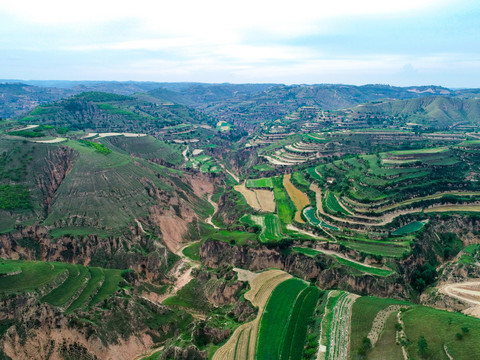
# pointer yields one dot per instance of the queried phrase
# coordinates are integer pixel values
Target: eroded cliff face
(220, 254)
(35, 243)
(57, 165)
(38, 331)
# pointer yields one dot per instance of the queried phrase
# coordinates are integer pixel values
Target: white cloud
(219, 18)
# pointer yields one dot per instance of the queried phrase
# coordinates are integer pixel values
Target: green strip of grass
(284, 207)
(34, 275)
(109, 286)
(259, 183)
(64, 292)
(272, 334)
(409, 228)
(93, 285)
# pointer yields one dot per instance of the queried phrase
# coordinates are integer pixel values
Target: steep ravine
(220, 254)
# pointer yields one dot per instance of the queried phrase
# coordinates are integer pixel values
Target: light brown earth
(467, 292)
(300, 200)
(258, 199)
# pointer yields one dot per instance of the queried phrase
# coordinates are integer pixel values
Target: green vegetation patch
(363, 268)
(274, 340)
(259, 183)
(269, 224)
(331, 203)
(193, 251)
(458, 332)
(100, 148)
(34, 275)
(76, 279)
(109, 286)
(364, 311)
(284, 206)
(93, 285)
(263, 167)
(409, 228)
(14, 197)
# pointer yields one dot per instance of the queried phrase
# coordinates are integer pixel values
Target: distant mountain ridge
(437, 111)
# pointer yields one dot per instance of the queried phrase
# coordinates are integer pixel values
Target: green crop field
(271, 228)
(259, 183)
(409, 228)
(293, 301)
(109, 286)
(382, 248)
(363, 268)
(76, 278)
(309, 213)
(96, 279)
(35, 274)
(284, 206)
(332, 204)
(360, 267)
(311, 171)
(80, 285)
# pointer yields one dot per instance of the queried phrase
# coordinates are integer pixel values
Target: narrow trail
(182, 272)
(28, 127)
(148, 353)
(447, 353)
(215, 209)
(340, 255)
(184, 153)
(294, 228)
(467, 292)
(235, 177)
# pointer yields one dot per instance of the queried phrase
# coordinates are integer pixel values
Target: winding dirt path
(467, 292)
(184, 153)
(215, 209)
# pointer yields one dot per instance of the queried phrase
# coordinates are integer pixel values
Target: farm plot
(260, 200)
(293, 301)
(62, 285)
(300, 200)
(284, 206)
(331, 202)
(335, 336)
(270, 225)
(409, 228)
(242, 344)
(366, 321)
(259, 183)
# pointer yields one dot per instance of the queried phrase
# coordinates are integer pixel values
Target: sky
(408, 42)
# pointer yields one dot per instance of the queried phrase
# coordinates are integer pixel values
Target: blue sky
(409, 42)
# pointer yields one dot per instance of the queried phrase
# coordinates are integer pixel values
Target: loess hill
(255, 221)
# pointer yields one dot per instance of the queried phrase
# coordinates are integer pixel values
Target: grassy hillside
(435, 112)
(104, 112)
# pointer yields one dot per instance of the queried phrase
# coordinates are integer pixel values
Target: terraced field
(334, 342)
(242, 345)
(271, 228)
(258, 199)
(65, 286)
(259, 183)
(284, 206)
(299, 199)
(293, 301)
